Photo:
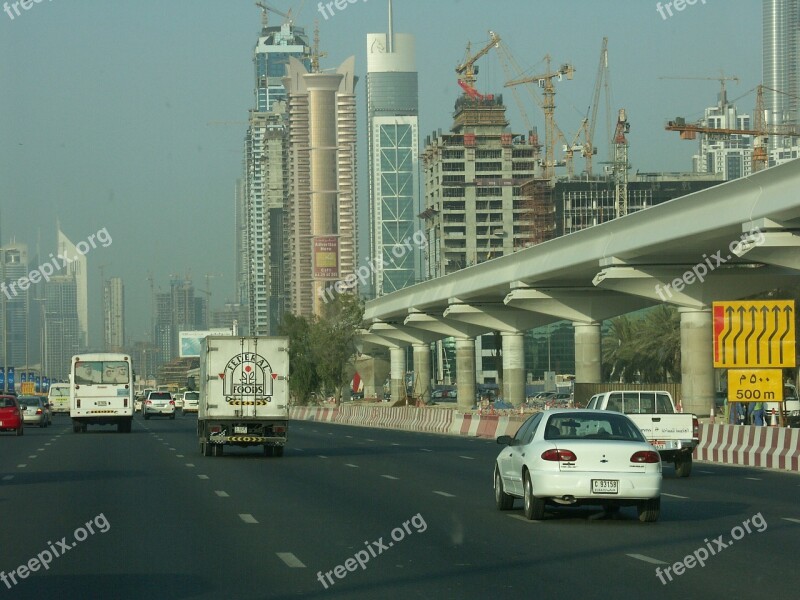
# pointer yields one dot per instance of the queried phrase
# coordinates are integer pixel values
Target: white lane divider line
(8, 477)
(753, 478)
(173, 449)
(202, 476)
(648, 559)
(351, 465)
(179, 456)
(298, 449)
(291, 560)
(32, 456)
(467, 457)
(395, 444)
(707, 472)
(22, 466)
(322, 456)
(675, 496)
(369, 440)
(247, 518)
(349, 436)
(40, 449)
(190, 465)
(445, 494)
(221, 494)
(426, 450)
(390, 477)
(784, 518)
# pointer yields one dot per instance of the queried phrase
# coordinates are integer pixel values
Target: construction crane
(545, 81)
(315, 53)
(286, 15)
(620, 169)
(722, 79)
(601, 80)
(467, 70)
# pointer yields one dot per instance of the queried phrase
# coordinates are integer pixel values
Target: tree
(334, 338)
(303, 376)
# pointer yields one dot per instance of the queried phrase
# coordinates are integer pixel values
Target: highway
(180, 525)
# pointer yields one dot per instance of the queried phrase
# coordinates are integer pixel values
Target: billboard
(326, 257)
(189, 341)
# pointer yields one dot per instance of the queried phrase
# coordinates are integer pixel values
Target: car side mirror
(505, 440)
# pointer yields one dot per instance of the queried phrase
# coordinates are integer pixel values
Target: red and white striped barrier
(747, 445)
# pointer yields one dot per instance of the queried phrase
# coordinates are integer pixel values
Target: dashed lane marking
(445, 494)
(248, 518)
(190, 465)
(22, 466)
(8, 477)
(426, 450)
(467, 457)
(351, 465)
(648, 559)
(675, 496)
(390, 477)
(291, 560)
(221, 494)
(791, 520)
(202, 476)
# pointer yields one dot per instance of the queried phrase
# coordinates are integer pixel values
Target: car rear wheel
(534, 507)
(502, 500)
(205, 448)
(683, 466)
(649, 510)
(76, 427)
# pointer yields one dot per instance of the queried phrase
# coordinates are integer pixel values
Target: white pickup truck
(675, 435)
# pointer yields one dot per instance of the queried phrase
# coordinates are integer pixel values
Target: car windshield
(584, 425)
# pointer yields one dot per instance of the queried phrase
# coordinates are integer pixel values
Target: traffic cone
(773, 420)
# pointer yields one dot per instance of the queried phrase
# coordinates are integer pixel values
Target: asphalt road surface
(360, 513)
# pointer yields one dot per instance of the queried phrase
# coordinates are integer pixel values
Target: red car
(10, 415)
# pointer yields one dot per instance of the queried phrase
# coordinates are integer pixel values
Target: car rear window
(577, 426)
(6, 403)
(191, 396)
(160, 396)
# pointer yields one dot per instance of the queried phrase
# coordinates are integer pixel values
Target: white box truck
(244, 393)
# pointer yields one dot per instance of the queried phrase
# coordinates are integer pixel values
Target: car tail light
(149, 402)
(38, 411)
(559, 455)
(645, 456)
(172, 402)
(695, 428)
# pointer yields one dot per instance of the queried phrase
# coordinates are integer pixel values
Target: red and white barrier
(747, 445)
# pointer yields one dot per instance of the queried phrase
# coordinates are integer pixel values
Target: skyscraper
(62, 333)
(77, 268)
(17, 305)
(114, 314)
(261, 196)
(781, 23)
(393, 147)
(321, 206)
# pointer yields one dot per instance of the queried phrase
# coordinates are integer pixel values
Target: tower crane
(722, 79)
(467, 70)
(286, 15)
(621, 164)
(602, 78)
(545, 81)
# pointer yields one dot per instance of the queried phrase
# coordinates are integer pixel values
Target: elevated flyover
(724, 243)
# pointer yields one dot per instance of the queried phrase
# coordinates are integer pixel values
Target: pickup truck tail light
(559, 455)
(695, 429)
(645, 456)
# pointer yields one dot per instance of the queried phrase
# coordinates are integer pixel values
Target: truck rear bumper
(271, 432)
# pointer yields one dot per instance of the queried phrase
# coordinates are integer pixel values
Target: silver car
(35, 410)
(158, 404)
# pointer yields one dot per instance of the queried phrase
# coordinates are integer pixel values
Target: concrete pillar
(373, 369)
(587, 352)
(697, 364)
(397, 385)
(465, 372)
(422, 372)
(514, 367)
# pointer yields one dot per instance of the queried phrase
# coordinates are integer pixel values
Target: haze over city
(131, 117)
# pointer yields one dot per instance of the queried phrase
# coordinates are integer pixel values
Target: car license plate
(101, 403)
(240, 429)
(605, 486)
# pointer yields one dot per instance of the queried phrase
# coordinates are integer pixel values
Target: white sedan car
(578, 457)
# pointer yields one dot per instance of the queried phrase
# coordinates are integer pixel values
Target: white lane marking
(389, 476)
(179, 456)
(649, 559)
(329, 433)
(248, 518)
(350, 465)
(707, 472)
(291, 560)
(445, 494)
(369, 440)
(349, 436)
(221, 494)
(190, 465)
(202, 476)
(675, 496)
(467, 457)
(47, 443)
(322, 456)
(426, 450)
(172, 449)
(22, 466)
(394, 444)
(8, 477)
(298, 449)
(753, 478)
(791, 520)
(32, 456)
(40, 449)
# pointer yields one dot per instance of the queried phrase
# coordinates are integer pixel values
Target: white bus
(101, 391)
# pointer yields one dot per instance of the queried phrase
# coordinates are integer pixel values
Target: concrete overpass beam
(513, 367)
(587, 352)
(422, 372)
(697, 365)
(465, 372)
(373, 370)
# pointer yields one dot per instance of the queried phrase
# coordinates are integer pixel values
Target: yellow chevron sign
(754, 334)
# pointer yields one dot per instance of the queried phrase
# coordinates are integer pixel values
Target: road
(170, 523)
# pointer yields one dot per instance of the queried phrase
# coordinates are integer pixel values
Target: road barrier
(746, 445)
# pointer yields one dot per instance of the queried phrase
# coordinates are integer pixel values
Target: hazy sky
(106, 107)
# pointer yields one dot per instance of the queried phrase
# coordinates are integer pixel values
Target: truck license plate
(240, 429)
(605, 486)
(101, 403)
